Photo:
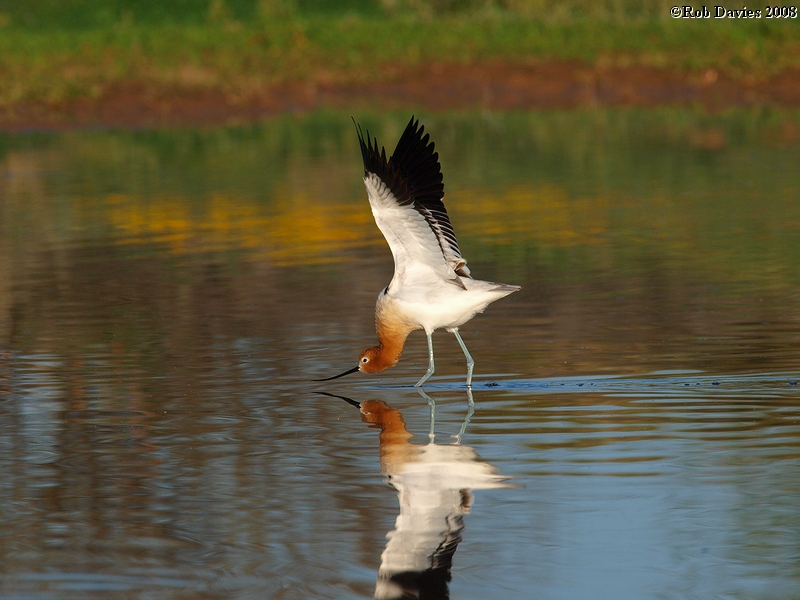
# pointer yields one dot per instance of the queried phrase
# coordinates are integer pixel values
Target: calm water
(167, 296)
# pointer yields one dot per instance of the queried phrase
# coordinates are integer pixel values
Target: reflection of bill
(433, 483)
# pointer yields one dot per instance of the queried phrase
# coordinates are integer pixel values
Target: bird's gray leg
(429, 372)
(432, 405)
(470, 362)
(470, 412)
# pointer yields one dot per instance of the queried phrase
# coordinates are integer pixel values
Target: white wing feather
(415, 247)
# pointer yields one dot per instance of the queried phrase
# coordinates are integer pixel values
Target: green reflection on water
(576, 191)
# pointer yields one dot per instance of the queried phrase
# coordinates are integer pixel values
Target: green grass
(52, 52)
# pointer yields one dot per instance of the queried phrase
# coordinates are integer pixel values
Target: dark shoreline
(488, 86)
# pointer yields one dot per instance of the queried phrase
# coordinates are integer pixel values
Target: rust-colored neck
(391, 343)
(392, 332)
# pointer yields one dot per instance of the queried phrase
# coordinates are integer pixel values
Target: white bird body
(439, 306)
(432, 287)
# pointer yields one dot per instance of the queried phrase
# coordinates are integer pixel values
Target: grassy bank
(80, 49)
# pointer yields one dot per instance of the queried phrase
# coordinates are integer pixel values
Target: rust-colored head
(375, 359)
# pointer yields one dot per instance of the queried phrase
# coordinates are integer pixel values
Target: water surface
(167, 296)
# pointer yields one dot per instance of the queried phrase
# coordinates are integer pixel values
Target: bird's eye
(365, 360)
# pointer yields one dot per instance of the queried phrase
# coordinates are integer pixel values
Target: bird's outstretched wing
(406, 194)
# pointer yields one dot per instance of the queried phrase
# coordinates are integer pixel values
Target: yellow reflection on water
(294, 230)
(545, 214)
(297, 228)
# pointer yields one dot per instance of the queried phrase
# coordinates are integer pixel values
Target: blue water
(167, 298)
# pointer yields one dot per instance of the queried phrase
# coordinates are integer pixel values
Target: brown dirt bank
(493, 85)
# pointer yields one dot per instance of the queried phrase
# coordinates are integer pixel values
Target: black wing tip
(413, 125)
(412, 131)
(374, 160)
(412, 172)
(413, 138)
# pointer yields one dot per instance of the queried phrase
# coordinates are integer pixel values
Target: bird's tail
(501, 289)
(506, 287)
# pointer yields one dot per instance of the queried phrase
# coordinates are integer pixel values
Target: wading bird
(432, 287)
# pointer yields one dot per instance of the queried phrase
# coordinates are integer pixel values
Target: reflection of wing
(434, 497)
(406, 195)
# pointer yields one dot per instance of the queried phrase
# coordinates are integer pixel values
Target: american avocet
(432, 287)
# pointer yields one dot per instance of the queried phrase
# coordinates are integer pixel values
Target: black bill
(353, 370)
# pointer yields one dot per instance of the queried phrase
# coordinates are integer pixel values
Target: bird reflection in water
(434, 483)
